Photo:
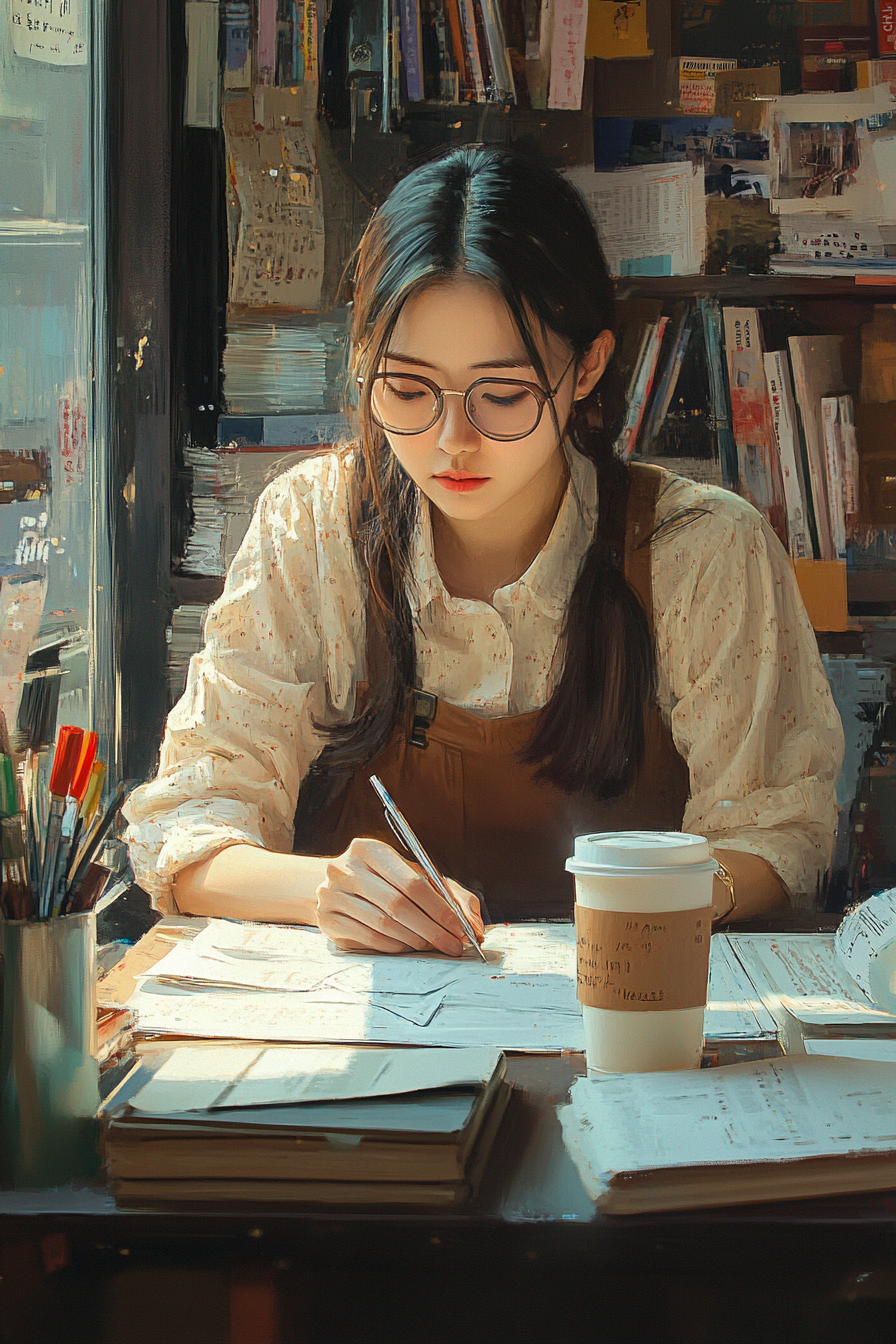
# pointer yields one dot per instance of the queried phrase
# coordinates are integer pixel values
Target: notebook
(771, 1130)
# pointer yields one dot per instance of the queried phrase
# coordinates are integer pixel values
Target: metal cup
(49, 1079)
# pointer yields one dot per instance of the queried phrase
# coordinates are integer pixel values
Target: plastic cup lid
(640, 849)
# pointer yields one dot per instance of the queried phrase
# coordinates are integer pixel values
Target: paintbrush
(65, 761)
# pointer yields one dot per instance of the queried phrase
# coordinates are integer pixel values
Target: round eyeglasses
(499, 408)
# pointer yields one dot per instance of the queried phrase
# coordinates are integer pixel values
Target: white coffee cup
(645, 975)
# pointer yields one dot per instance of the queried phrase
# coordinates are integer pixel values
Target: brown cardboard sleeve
(640, 962)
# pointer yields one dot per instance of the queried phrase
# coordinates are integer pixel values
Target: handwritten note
(54, 31)
(642, 962)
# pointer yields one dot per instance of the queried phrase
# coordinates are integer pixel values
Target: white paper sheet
(770, 1111)
(803, 973)
(880, 1049)
(240, 1076)
(862, 934)
(524, 998)
(651, 218)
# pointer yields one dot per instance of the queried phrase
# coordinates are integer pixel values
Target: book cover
(783, 413)
(757, 457)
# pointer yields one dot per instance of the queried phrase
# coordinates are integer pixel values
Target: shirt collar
(551, 577)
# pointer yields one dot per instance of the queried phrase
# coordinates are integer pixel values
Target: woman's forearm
(758, 890)
(246, 882)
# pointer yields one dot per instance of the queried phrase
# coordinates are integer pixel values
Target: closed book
(817, 373)
(416, 1136)
(757, 451)
(783, 414)
(427, 1166)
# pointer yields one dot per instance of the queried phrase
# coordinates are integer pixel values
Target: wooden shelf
(754, 287)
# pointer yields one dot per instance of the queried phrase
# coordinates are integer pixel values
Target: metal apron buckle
(422, 714)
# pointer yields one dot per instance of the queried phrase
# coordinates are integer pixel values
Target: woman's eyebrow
(511, 363)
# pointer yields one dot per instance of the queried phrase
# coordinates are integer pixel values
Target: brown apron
(478, 812)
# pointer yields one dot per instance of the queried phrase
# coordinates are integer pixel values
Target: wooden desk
(531, 1262)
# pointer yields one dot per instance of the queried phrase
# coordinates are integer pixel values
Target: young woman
(524, 637)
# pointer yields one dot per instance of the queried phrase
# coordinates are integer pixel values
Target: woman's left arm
(750, 705)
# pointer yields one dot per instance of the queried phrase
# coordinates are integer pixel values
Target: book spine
(488, 74)
(458, 47)
(309, 41)
(267, 40)
(411, 49)
(886, 27)
(641, 387)
(809, 417)
(471, 46)
(666, 383)
(718, 391)
(830, 420)
(783, 415)
(757, 458)
(497, 51)
(850, 461)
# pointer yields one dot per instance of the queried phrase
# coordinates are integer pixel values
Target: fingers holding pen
(371, 893)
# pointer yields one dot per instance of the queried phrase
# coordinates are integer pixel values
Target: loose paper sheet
(651, 218)
(771, 1111)
(233, 1076)
(864, 933)
(524, 998)
(804, 974)
(53, 31)
(697, 83)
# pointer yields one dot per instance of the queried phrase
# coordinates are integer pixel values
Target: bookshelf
(190, 298)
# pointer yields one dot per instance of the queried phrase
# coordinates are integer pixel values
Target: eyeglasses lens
(497, 409)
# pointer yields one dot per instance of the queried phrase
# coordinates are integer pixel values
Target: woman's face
(454, 333)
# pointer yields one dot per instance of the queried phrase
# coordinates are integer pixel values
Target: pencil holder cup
(49, 1079)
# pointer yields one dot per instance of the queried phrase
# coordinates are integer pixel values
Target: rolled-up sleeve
(241, 738)
(750, 706)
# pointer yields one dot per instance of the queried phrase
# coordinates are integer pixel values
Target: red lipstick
(460, 481)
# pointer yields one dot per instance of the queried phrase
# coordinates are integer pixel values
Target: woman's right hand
(372, 899)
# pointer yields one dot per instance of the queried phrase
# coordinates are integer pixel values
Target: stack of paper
(279, 983)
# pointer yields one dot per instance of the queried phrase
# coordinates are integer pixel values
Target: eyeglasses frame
(541, 396)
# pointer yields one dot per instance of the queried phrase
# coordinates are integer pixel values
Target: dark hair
(513, 222)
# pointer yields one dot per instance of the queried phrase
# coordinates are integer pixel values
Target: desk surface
(531, 1195)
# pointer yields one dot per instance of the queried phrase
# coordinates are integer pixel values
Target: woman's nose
(455, 433)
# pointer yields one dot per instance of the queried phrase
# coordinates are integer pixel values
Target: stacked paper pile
(277, 983)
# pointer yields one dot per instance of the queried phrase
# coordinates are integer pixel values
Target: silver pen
(407, 837)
